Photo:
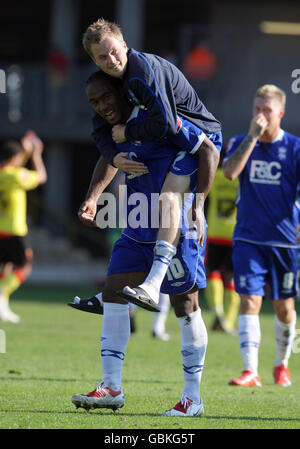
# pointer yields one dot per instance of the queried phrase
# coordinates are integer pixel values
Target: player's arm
(37, 160)
(161, 108)
(103, 174)
(154, 92)
(33, 148)
(208, 161)
(102, 137)
(235, 163)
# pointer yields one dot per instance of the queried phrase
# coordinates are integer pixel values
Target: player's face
(108, 101)
(111, 56)
(271, 108)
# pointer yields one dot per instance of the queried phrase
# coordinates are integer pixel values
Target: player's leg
(114, 339)
(231, 305)
(214, 294)
(250, 280)
(284, 283)
(20, 259)
(160, 318)
(249, 340)
(168, 235)
(187, 274)
(193, 349)
(214, 291)
(127, 264)
(284, 329)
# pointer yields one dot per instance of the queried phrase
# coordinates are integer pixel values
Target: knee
(170, 199)
(285, 310)
(250, 305)
(184, 307)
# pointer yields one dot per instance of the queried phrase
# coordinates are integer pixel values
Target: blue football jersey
(142, 212)
(268, 189)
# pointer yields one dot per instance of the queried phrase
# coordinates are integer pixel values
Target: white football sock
(163, 253)
(193, 349)
(115, 336)
(249, 338)
(284, 335)
(160, 318)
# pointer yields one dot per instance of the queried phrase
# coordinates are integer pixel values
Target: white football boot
(186, 408)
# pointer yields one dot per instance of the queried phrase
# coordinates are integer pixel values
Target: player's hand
(198, 218)
(118, 134)
(32, 143)
(298, 234)
(258, 126)
(87, 213)
(127, 165)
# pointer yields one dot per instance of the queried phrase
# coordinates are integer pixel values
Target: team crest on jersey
(282, 153)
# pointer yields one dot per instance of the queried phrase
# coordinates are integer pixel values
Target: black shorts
(219, 257)
(15, 250)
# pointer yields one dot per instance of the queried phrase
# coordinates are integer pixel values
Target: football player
(156, 85)
(133, 252)
(267, 163)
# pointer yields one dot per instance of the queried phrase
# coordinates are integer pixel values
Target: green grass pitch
(54, 352)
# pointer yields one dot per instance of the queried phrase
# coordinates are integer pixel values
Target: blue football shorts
(186, 164)
(256, 265)
(186, 268)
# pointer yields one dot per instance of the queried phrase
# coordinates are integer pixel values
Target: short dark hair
(99, 75)
(9, 149)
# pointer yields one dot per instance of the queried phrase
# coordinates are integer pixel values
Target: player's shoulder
(292, 139)
(143, 65)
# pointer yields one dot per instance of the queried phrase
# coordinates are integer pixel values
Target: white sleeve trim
(200, 140)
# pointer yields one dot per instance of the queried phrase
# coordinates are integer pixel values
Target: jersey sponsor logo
(265, 172)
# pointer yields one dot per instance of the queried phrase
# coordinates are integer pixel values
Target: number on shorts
(288, 280)
(175, 270)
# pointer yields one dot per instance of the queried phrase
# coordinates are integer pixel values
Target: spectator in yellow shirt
(15, 180)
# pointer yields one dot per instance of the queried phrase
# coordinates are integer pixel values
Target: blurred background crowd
(225, 49)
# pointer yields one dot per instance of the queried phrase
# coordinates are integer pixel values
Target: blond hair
(97, 31)
(271, 91)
